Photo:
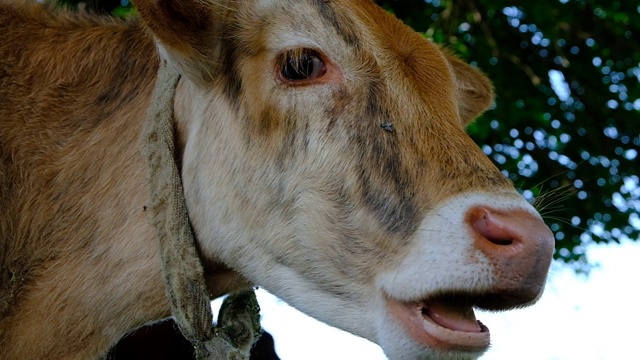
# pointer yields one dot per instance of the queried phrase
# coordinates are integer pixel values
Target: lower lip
(427, 333)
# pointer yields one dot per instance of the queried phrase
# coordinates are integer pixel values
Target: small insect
(388, 127)
(144, 208)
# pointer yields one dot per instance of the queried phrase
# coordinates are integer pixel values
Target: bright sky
(578, 318)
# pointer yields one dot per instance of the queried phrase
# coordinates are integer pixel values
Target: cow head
(324, 158)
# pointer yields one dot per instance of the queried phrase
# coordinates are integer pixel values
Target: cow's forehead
(357, 23)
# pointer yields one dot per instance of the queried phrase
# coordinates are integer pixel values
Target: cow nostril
(501, 241)
(491, 228)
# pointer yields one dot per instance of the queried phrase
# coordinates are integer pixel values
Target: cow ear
(185, 31)
(475, 92)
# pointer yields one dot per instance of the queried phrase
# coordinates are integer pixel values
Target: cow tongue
(451, 315)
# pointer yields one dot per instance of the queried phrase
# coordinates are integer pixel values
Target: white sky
(577, 318)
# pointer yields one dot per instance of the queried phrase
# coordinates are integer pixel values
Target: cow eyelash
(301, 65)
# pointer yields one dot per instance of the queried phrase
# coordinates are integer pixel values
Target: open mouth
(455, 314)
(446, 322)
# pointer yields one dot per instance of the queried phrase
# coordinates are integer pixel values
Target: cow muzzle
(496, 258)
(519, 247)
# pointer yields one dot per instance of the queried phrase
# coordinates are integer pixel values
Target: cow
(323, 156)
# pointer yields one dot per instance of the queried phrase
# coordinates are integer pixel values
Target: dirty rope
(183, 272)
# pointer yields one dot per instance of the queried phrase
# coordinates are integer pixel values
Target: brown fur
(79, 264)
(68, 141)
(52, 220)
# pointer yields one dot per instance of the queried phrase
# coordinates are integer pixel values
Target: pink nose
(519, 247)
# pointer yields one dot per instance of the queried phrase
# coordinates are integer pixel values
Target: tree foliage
(565, 126)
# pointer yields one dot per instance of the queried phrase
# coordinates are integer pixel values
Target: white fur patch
(443, 256)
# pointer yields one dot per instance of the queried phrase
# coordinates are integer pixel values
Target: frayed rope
(183, 272)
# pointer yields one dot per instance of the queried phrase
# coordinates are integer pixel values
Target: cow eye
(302, 64)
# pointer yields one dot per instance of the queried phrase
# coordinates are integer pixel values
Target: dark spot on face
(375, 108)
(385, 182)
(268, 121)
(341, 99)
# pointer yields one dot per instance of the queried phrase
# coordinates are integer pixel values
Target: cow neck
(182, 269)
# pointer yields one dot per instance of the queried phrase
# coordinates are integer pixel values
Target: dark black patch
(342, 25)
